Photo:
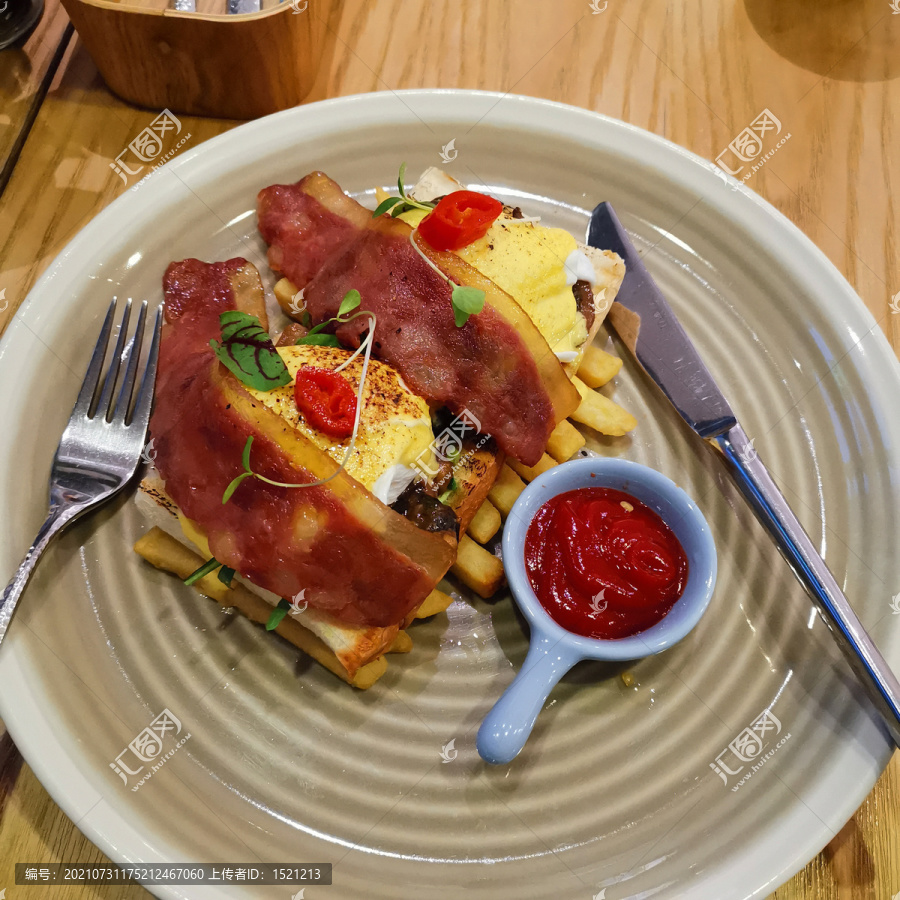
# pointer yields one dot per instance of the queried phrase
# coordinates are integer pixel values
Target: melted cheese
(535, 265)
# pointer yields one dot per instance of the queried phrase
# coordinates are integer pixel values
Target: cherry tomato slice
(460, 219)
(326, 400)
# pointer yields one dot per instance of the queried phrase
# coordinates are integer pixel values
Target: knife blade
(647, 325)
(236, 7)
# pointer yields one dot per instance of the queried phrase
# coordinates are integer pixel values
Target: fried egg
(394, 441)
(537, 267)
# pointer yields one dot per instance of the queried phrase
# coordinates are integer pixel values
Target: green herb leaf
(209, 566)
(451, 490)
(318, 328)
(401, 204)
(467, 301)
(351, 300)
(226, 573)
(247, 351)
(234, 486)
(386, 205)
(245, 456)
(319, 340)
(278, 614)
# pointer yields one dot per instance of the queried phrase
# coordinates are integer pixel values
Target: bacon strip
(498, 366)
(357, 559)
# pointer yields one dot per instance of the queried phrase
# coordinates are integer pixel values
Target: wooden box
(200, 63)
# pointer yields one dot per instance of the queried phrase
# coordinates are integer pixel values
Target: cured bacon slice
(357, 559)
(498, 366)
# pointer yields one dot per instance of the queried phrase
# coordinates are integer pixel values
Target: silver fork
(101, 446)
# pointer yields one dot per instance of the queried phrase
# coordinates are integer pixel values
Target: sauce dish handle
(506, 727)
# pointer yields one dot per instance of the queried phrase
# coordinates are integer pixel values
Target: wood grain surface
(696, 71)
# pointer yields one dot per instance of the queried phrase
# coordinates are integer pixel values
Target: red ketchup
(602, 563)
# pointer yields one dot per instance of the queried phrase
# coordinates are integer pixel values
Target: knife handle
(773, 512)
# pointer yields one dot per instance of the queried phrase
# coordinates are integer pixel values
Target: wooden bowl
(235, 66)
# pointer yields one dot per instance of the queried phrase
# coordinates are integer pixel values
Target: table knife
(649, 328)
(185, 5)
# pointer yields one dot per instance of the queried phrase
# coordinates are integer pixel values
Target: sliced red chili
(326, 400)
(460, 219)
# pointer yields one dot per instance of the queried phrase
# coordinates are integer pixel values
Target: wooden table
(694, 71)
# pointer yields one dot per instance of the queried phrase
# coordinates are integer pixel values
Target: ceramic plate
(724, 766)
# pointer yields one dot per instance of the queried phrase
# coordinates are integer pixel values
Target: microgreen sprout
(278, 614)
(345, 314)
(209, 566)
(403, 203)
(467, 301)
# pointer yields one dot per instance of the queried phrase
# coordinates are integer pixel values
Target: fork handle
(56, 520)
(772, 510)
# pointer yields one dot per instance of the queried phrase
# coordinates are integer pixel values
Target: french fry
(436, 602)
(506, 490)
(368, 674)
(477, 568)
(598, 367)
(285, 291)
(565, 441)
(601, 413)
(164, 552)
(485, 523)
(529, 473)
(402, 643)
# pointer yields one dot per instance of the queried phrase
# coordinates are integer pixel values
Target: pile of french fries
(475, 566)
(478, 568)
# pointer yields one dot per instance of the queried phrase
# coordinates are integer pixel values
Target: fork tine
(141, 417)
(92, 377)
(132, 354)
(104, 404)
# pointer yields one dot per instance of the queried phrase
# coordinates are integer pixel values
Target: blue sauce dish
(553, 650)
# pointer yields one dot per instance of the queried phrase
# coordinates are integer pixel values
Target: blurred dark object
(207, 64)
(844, 40)
(17, 19)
